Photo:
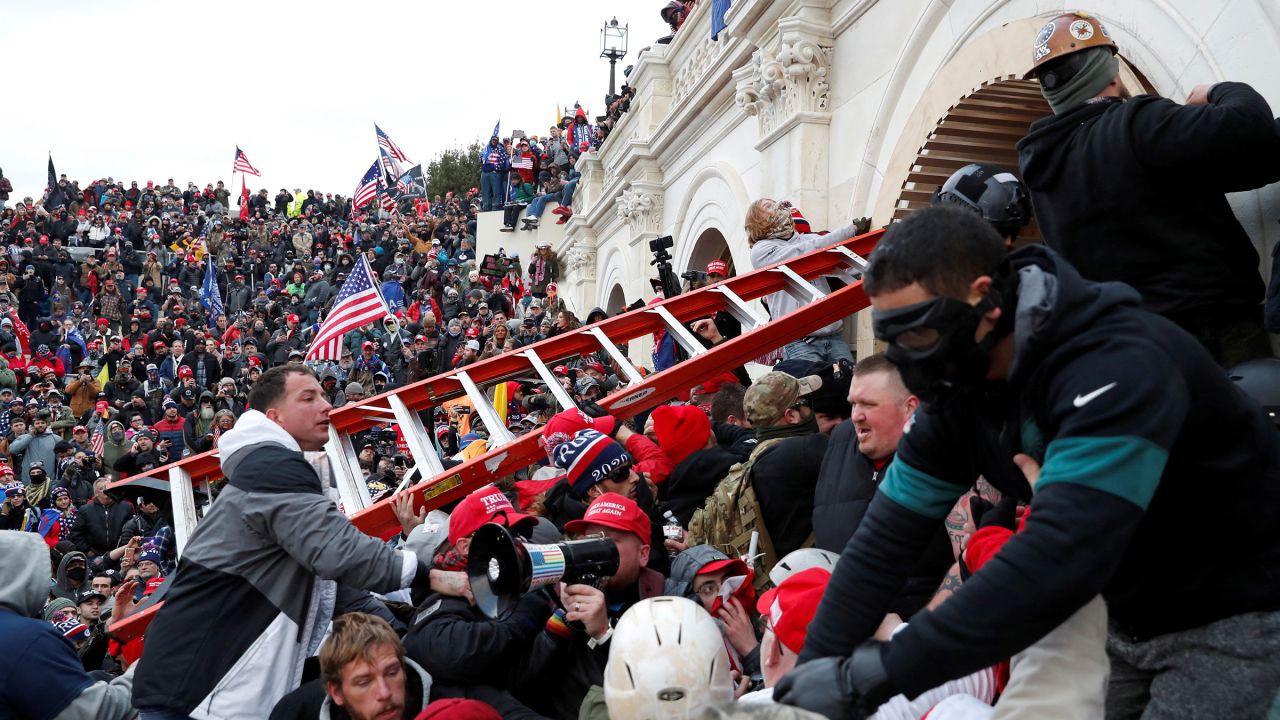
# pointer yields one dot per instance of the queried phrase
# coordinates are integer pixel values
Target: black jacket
(100, 526)
(463, 649)
(1135, 191)
(1157, 490)
(784, 477)
(846, 483)
(695, 478)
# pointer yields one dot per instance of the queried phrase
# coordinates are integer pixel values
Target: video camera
(502, 568)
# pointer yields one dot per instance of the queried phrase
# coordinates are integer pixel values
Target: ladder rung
(798, 286)
(498, 432)
(184, 506)
(859, 263)
(345, 463)
(681, 333)
(739, 309)
(416, 437)
(633, 375)
(549, 378)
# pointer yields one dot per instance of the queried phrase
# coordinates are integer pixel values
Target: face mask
(117, 435)
(77, 574)
(932, 345)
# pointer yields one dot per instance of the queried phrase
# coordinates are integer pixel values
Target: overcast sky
(156, 89)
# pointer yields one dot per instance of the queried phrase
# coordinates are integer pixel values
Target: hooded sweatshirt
(40, 674)
(255, 587)
(1134, 425)
(1135, 191)
(62, 585)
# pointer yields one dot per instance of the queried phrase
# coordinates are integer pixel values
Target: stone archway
(710, 245)
(617, 301)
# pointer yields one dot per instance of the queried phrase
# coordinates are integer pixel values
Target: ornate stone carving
(695, 68)
(581, 260)
(780, 84)
(641, 209)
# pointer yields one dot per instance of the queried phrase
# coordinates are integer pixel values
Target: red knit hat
(458, 709)
(681, 429)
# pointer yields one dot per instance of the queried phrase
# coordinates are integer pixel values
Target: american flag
(391, 148)
(358, 303)
(242, 164)
(368, 188)
(97, 443)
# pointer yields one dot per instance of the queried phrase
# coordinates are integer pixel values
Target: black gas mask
(932, 344)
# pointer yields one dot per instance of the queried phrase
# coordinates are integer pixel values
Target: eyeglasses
(708, 589)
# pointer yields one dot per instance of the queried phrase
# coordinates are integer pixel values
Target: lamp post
(613, 45)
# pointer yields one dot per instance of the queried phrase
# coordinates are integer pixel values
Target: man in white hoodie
(257, 582)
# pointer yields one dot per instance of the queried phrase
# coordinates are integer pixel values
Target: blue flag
(210, 296)
(495, 127)
(718, 9)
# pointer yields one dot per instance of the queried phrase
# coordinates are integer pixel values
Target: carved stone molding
(641, 208)
(695, 68)
(580, 260)
(780, 84)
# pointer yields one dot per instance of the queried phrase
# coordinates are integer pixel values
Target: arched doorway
(617, 301)
(709, 246)
(985, 126)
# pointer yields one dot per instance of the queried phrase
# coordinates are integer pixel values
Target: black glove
(849, 688)
(1002, 514)
(592, 409)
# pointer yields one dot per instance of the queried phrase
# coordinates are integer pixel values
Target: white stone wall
(825, 102)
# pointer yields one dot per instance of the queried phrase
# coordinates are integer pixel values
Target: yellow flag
(103, 377)
(500, 401)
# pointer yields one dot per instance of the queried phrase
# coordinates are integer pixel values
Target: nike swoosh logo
(1082, 400)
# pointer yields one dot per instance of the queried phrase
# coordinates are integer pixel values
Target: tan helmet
(1067, 34)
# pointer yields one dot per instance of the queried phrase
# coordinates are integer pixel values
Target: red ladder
(506, 453)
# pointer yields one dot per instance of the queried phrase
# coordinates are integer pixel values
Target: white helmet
(667, 660)
(802, 559)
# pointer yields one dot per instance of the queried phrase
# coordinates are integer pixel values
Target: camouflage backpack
(732, 513)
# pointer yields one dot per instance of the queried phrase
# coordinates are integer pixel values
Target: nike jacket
(1157, 489)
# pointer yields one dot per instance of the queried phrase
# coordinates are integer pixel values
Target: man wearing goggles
(1121, 422)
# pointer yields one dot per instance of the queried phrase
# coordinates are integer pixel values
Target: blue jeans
(566, 195)
(827, 349)
(490, 191)
(540, 203)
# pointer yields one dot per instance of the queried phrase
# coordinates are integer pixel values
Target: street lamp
(613, 45)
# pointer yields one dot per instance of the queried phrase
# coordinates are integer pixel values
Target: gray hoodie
(62, 586)
(24, 565)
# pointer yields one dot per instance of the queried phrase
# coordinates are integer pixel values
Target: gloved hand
(838, 688)
(1002, 514)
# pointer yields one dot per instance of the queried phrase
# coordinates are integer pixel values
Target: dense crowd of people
(975, 523)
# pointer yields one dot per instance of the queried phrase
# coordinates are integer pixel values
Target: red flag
(244, 200)
(23, 333)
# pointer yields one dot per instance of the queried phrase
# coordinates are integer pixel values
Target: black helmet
(1260, 380)
(995, 193)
